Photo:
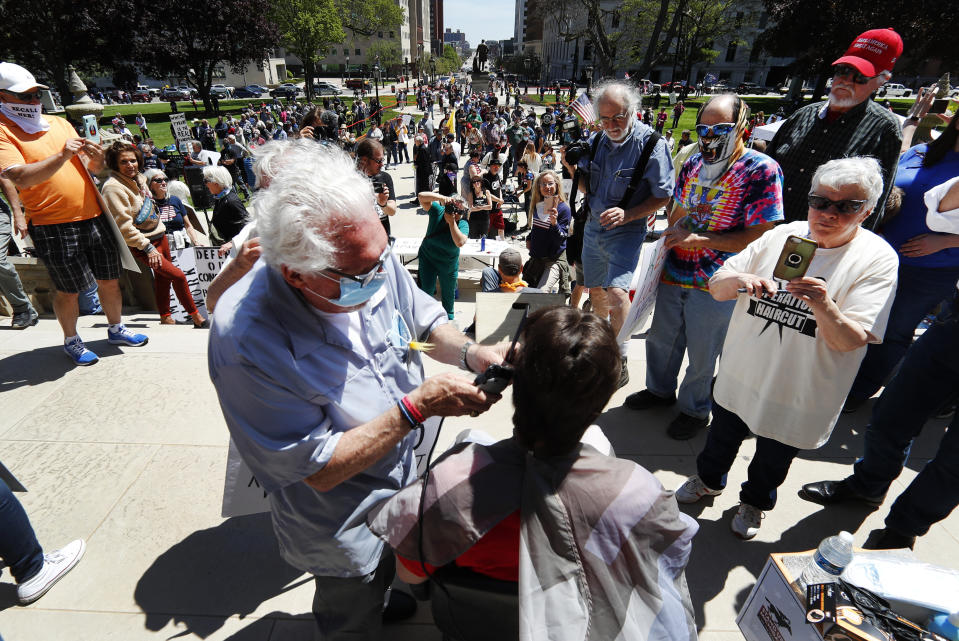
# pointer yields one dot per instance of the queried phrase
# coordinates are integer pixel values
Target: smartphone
(550, 203)
(939, 106)
(91, 130)
(795, 258)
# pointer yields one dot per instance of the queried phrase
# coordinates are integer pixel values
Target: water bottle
(483, 243)
(831, 558)
(945, 625)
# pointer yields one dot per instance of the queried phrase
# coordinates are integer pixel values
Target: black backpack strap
(640, 169)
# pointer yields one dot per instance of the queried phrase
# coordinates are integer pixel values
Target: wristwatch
(463, 351)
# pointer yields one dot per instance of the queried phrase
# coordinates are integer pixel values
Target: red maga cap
(873, 52)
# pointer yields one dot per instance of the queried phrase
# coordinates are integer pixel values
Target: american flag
(584, 108)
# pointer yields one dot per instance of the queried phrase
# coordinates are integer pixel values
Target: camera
(379, 187)
(794, 259)
(575, 151)
(570, 131)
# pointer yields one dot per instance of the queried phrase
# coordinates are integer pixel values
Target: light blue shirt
(290, 383)
(612, 169)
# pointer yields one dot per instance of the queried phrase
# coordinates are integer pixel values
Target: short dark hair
(367, 147)
(565, 374)
(112, 156)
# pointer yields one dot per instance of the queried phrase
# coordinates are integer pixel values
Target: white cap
(846, 536)
(17, 79)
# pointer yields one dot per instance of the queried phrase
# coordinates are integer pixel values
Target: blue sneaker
(126, 337)
(76, 350)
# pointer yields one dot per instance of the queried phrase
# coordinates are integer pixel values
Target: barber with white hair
(793, 347)
(317, 357)
(618, 205)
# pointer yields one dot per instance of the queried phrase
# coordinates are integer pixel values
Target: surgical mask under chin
(352, 293)
(27, 117)
(716, 153)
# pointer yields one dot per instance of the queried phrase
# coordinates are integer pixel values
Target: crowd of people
(320, 332)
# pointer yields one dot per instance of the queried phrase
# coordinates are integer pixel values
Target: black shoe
(400, 607)
(652, 236)
(886, 539)
(832, 492)
(623, 374)
(685, 427)
(645, 399)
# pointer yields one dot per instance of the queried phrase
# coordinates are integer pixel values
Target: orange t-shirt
(69, 195)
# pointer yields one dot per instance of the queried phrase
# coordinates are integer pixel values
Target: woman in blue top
(173, 213)
(928, 261)
(439, 253)
(550, 217)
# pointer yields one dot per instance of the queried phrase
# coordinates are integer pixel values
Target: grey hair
(310, 202)
(150, 174)
(862, 171)
(218, 175)
(180, 190)
(270, 157)
(618, 90)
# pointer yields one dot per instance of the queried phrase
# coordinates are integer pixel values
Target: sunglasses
(719, 129)
(159, 180)
(25, 95)
(845, 207)
(842, 71)
(367, 278)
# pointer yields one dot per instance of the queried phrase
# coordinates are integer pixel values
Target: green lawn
(158, 114)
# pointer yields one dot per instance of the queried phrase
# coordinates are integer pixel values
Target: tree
(366, 17)
(449, 61)
(43, 35)
(193, 39)
(389, 54)
(307, 29)
(591, 22)
(828, 28)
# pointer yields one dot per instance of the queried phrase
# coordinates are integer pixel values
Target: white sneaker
(55, 567)
(694, 489)
(747, 521)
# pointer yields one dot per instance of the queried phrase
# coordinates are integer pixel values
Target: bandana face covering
(27, 117)
(718, 150)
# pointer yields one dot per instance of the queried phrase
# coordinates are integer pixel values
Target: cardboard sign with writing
(208, 265)
(645, 283)
(181, 131)
(185, 259)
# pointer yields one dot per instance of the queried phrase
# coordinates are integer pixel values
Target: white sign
(185, 259)
(180, 129)
(645, 282)
(243, 494)
(208, 265)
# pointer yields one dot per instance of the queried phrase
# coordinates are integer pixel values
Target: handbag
(148, 217)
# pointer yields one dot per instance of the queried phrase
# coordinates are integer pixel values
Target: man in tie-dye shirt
(726, 196)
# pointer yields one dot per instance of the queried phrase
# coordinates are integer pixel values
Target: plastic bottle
(945, 625)
(831, 558)
(483, 243)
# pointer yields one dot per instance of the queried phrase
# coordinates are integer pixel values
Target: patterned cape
(603, 547)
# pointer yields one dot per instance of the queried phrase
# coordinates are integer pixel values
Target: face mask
(451, 175)
(352, 293)
(220, 195)
(27, 117)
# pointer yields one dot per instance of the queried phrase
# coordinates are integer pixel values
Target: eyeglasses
(842, 71)
(25, 95)
(378, 161)
(845, 207)
(617, 118)
(365, 279)
(159, 180)
(719, 129)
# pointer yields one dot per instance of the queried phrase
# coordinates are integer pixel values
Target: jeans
(610, 255)
(919, 291)
(766, 472)
(402, 149)
(19, 547)
(351, 608)
(10, 285)
(929, 376)
(686, 320)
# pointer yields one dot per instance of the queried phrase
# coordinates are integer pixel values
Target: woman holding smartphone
(551, 216)
(480, 204)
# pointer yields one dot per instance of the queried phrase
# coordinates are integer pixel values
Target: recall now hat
(17, 79)
(873, 52)
(510, 262)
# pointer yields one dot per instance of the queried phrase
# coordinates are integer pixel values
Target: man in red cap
(847, 124)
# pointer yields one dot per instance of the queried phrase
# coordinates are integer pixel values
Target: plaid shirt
(806, 140)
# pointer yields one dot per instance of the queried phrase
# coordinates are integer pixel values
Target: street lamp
(376, 78)
(406, 66)
(589, 80)
(347, 62)
(432, 69)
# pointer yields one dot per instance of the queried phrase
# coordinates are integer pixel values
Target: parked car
(220, 92)
(142, 95)
(174, 93)
(249, 91)
(893, 90)
(286, 90)
(323, 88)
(749, 88)
(259, 88)
(359, 83)
(189, 92)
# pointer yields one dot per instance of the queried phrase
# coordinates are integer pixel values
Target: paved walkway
(130, 455)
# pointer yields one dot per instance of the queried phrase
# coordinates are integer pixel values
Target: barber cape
(603, 546)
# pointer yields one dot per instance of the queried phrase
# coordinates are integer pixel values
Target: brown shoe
(167, 320)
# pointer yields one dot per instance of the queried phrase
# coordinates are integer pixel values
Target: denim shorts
(610, 256)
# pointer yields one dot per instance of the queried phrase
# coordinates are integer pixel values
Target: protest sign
(208, 265)
(645, 282)
(185, 259)
(180, 129)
